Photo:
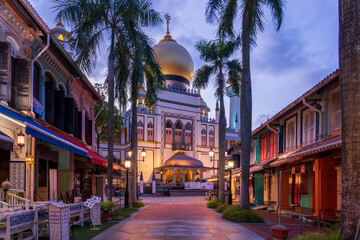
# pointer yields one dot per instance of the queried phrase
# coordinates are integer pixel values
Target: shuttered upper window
(308, 128)
(336, 110)
(263, 147)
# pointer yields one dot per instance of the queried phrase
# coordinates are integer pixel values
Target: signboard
(94, 205)
(207, 185)
(302, 168)
(293, 170)
(192, 185)
(59, 221)
(38, 107)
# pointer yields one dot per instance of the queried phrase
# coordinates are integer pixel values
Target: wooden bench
(17, 223)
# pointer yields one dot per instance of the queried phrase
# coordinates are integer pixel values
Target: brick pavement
(177, 218)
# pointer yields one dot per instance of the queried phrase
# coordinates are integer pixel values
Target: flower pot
(105, 215)
(279, 232)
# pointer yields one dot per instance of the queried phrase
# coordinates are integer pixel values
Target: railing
(13, 200)
(181, 146)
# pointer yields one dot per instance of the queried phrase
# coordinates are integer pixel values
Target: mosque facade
(177, 134)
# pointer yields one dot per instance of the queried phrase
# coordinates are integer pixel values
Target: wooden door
(296, 189)
(338, 182)
(43, 180)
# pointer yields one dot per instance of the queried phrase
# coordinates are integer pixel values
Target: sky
(284, 64)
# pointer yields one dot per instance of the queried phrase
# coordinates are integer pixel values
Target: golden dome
(175, 61)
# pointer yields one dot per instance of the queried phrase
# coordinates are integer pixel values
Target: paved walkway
(177, 218)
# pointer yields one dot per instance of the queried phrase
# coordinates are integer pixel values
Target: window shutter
(79, 125)
(49, 102)
(59, 109)
(21, 84)
(5, 80)
(75, 129)
(90, 132)
(69, 115)
(86, 129)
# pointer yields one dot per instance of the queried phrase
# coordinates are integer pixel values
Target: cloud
(284, 64)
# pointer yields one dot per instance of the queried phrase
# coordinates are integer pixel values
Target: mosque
(177, 134)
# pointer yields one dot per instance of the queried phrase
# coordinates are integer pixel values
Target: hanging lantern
(21, 139)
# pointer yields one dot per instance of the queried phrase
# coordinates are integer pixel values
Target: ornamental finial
(168, 18)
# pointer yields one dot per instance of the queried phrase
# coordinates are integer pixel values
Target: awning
(322, 146)
(6, 142)
(261, 166)
(36, 130)
(95, 158)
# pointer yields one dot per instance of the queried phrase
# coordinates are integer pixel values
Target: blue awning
(36, 130)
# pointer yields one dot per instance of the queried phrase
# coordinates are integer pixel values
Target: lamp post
(231, 166)
(127, 166)
(211, 154)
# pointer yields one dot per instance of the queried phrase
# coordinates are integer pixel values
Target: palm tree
(217, 54)
(349, 55)
(132, 71)
(251, 14)
(94, 23)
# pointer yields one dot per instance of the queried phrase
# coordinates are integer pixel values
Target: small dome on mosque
(175, 61)
(203, 104)
(60, 32)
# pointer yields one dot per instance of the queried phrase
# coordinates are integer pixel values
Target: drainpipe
(268, 126)
(310, 106)
(32, 71)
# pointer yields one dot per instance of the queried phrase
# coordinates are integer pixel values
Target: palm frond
(277, 11)
(234, 73)
(202, 76)
(207, 50)
(219, 85)
(226, 21)
(213, 10)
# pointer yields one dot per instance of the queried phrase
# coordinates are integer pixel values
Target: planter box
(279, 232)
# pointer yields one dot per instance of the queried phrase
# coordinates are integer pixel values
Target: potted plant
(279, 232)
(106, 208)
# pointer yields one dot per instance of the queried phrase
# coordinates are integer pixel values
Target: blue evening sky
(284, 64)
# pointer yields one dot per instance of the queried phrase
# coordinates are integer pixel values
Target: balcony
(181, 147)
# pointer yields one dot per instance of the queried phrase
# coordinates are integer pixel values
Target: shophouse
(302, 142)
(46, 111)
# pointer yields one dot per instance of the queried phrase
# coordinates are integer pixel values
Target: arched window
(49, 98)
(211, 138)
(140, 130)
(178, 132)
(188, 134)
(150, 131)
(168, 132)
(36, 81)
(203, 135)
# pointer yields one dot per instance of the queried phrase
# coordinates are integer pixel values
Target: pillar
(174, 177)
(201, 175)
(193, 175)
(183, 176)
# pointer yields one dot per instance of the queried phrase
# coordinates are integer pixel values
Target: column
(193, 175)
(201, 175)
(174, 177)
(42, 94)
(183, 176)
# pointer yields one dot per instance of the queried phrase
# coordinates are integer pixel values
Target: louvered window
(5, 80)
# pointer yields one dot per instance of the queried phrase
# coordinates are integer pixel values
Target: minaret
(234, 109)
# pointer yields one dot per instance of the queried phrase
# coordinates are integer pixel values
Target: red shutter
(5, 80)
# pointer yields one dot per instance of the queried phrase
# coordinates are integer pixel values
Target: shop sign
(207, 185)
(192, 185)
(293, 170)
(38, 107)
(302, 168)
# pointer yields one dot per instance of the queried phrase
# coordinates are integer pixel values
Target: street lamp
(143, 154)
(130, 153)
(211, 154)
(21, 139)
(127, 166)
(231, 166)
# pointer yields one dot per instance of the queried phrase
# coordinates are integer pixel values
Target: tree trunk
(349, 60)
(110, 79)
(134, 144)
(222, 133)
(245, 117)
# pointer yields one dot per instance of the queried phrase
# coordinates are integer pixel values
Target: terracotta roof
(261, 166)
